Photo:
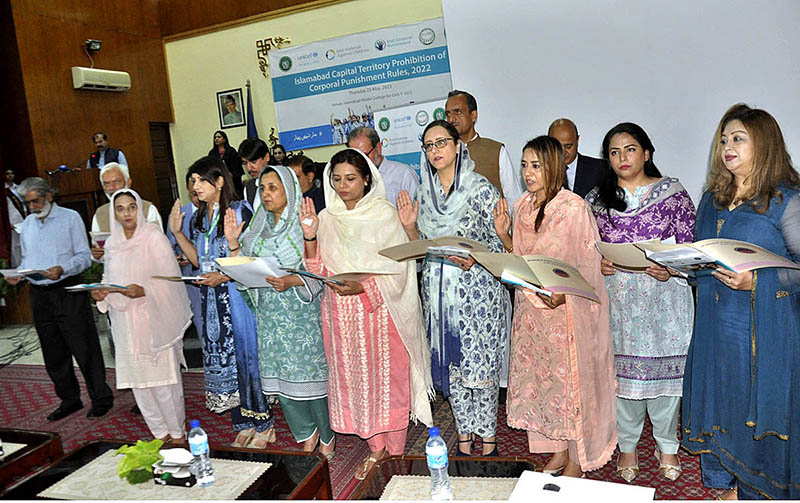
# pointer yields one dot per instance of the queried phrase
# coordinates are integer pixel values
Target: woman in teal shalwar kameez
(741, 398)
(290, 350)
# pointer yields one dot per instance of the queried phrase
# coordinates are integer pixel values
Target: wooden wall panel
(50, 36)
(16, 144)
(181, 16)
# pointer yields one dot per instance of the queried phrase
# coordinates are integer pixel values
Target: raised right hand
(406, 211)
(233, 229)
(502, 218)
(309, 220)
(176, 218)
(607, 267)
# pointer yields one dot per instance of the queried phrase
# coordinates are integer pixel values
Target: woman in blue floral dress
(230, 349)
(466, 309)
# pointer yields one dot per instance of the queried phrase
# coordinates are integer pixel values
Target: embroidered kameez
(561, 374)
(230, 343)
(466, 312)
(290, 351)
(741, 389)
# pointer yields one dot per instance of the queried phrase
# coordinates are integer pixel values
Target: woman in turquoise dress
(291, 354)
(741, 397)
(230, 353)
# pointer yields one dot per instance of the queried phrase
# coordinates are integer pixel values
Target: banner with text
(324, 90)
(401, 130)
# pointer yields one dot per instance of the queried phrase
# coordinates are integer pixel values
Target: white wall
(673, 67)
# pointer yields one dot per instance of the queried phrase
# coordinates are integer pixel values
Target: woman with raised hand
(148, 318)
(561, 373)
(466, 309)
(290, 351)
(651, 313)
(230, 340)
(741, 392)
(378, 361)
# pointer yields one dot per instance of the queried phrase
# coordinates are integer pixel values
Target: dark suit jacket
(588, 174)
(250, 190)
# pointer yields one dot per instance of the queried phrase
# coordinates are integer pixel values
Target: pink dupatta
(160, 318)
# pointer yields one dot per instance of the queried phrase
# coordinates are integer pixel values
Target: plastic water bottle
(436, 452)
(201, 466)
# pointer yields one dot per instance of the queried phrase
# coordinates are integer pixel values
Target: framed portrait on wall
(230, 106)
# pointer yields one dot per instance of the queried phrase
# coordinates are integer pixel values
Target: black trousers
(65, 326)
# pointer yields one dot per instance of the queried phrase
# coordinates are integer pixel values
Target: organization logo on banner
(285, 63)
(438, 114)
(380, 44)
(385, 142)
(330, 54)
(427, 36)
(383, 124)
(421, 118)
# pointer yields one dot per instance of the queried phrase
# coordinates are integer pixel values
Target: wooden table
(42, 447)
(476, 466)
(293, 475)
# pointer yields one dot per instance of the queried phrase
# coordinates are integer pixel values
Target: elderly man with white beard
(54, 240)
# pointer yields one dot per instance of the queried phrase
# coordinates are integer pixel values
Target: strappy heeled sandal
(362, 472)
(730, 494)
(262, 439)
(493, 452)
(471, 445)
(670, 472)
(243, 438)
(630, 472)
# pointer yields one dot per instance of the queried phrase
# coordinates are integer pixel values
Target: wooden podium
(79, 190)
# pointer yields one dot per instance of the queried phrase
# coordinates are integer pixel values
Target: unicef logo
(380, 44)
(427, 36)
(330, 54)
(285, 63)
(383, 124)
(438, 114)
(421, 118)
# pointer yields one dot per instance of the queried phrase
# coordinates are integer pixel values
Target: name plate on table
(98, 480)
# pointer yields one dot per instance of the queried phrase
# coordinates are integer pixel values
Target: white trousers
(163, 409)
(663, 413)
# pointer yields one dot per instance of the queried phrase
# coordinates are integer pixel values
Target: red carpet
(27, 396)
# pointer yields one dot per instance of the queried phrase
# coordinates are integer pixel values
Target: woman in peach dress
(561, 374)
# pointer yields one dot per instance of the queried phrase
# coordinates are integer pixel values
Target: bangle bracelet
(510, 250)
(234, 249)
(307, 239)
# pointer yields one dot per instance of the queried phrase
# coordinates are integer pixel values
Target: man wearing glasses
(54, 241)
(396, 175)
(490, 156)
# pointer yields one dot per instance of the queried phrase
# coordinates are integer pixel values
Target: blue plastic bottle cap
(194, 423)
(433, 431)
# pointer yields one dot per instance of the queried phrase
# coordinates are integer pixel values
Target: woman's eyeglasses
(439, 144)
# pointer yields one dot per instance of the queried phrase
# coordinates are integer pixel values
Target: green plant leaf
(139, 457)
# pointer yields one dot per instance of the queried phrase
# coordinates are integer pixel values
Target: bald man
(583, 173)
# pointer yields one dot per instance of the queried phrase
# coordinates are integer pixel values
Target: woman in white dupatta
(148, 318)
(378, 359)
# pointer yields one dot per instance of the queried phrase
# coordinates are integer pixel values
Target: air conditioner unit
(100, 80)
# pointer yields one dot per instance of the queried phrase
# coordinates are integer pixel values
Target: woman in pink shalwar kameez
(148, 319)
(561, 376)
(378, 360)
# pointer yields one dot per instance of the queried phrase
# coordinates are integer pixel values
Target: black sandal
(471, 445)
(493, 453)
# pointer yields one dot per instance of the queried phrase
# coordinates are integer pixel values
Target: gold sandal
(671, 472)
(630, 472)
(243, 438)
(361, 474)
(262, 439)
